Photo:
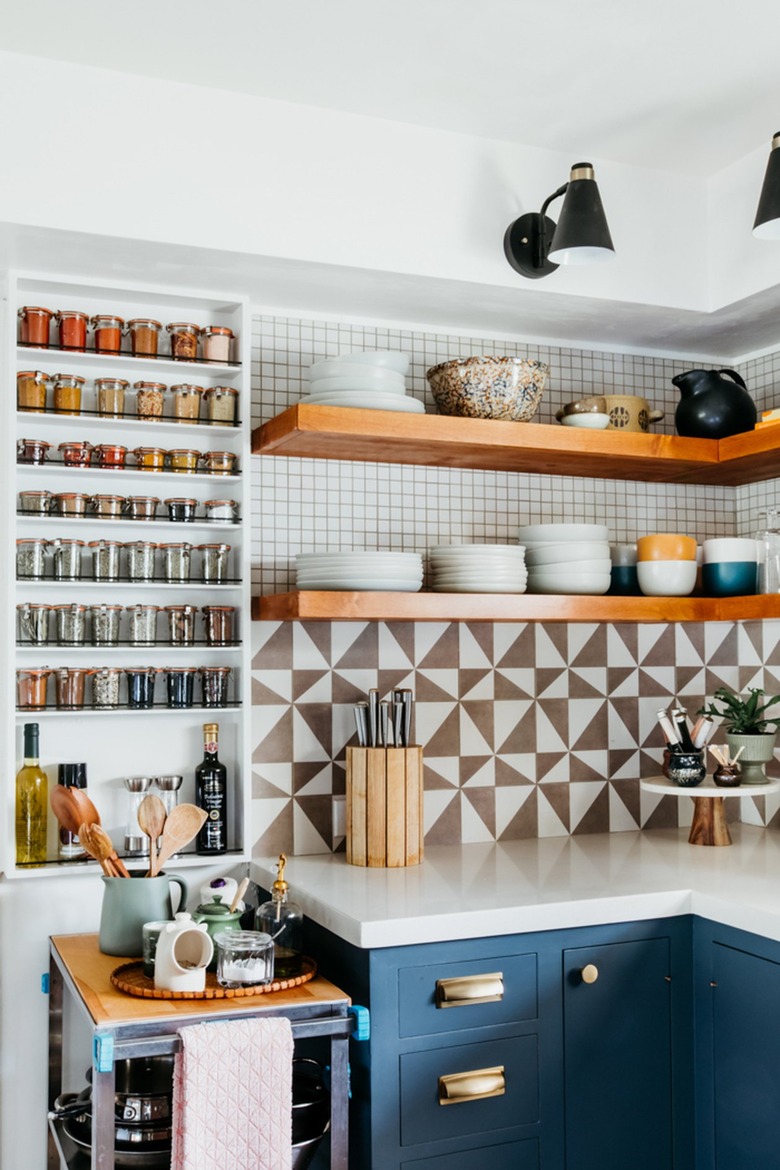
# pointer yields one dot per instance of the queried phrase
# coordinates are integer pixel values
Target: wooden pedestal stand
(384, 806)
(709, 825)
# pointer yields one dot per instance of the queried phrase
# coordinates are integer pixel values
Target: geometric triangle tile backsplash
(528, 730)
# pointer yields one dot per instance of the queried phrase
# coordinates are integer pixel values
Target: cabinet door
(746, 1043)
(617, 1056)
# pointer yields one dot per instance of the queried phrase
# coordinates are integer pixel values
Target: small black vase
(711, 406)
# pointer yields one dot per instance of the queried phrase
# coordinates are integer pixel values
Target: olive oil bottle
(31, 803)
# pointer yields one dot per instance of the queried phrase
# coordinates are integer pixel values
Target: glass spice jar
(144, 335)
(105, 624)
(221, 509)
(215, 342)
(108, 507)
(76, 454)
(149, 399)
(72, 329)
(143, 624)
(110, 455)
(184, 340)
(111, 396)
(67, 559)
(33, 623)
(38, 503)
(181, 510)
(180, 685)
(140, 686)
(67, 393)
(69, 687)
(71, 624)
(31, 558)
(140, 560)
(150, 458)
(181, 624)
(31, 688)
(142, 507)
(70, 503)
(108, 332)
(105, 686)
(214, 685)
(186, 401)
(32, 451)
(105, 559)
(31, 391)
(215, 563)
(221, 405)
(34, 325)
(220, 462)
(218, 621)
(184, 460)
(176, 561)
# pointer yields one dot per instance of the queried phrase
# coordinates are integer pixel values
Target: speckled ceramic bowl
(489, 387)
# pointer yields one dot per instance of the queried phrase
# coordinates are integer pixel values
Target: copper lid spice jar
(218, 621)
(149, 400)
(71, 624)
(111, 396)
(105, 559)
(105, 624)
(32, 451)
(34, 327)
(150, 458)
(31, 558)
(70, 503)
(38, 503)
(214, 684)
(67, 393)
(31, 391)
(181, 509)
(140, 685)
(181, 624)
(184, 340)
(105, 686)
(67, 558)
(221, 510)
(108, 507)
(176, 561)
(69, 687)
(31, 688)
(144, 335)
(215, 342)
(110, 455)
(72, 329)
(76, 454)
(220, 462)
(215, 566)
(221, 405)
(33, 623)
(184, 459)
(108, 332)
(143, 624)
(186, 401)
(140, 556)
(141, 507)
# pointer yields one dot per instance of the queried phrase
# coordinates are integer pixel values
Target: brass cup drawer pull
(469, 990)
(590, 973)
(476, 1085)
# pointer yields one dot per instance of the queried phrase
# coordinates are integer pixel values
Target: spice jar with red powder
(215, 342)
(184, 340)
(144, 335)
(72, 326)
(67, 393)
(110, 455)
(76, 454)
(34, 327)
(108, 332)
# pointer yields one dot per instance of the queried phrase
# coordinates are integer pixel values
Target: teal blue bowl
(623, 581)
(729, 578)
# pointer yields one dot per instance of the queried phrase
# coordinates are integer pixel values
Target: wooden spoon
(89, 814)
(151, 818)
(182, 825)
(239, 894)
(66, 809)
(99, 845)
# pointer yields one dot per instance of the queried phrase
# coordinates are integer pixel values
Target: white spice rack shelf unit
(123, 741)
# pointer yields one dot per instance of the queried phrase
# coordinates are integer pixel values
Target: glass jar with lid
(69, 687)
(144, 336)
(105, 559)
(70, 503)
(186, 401)
(108, 332)
(105, 686)
(221, 405)
(111, 396)
(221, 510)
(31, 687)
(71, 624)
(110, 455)
(184, 459)
(215, 563)
(67, 558)
(31, 391)
(105, 624)
(141, 507)
(149, 400)
(218, 621)
(143, 624)
(34, 325)
(33, 623)
(38, 503)
(181, 509)
(184, 340)
(140, 556)
(33, 451)
(140, 685)
(31, 558)
(220, 462)
(214, 684)
(215, 340)
(72, 329)
(181, 624)
(176, 561)
(769, 551)
(67, 393)
(76, 454)
(109, 507)
(150, 458)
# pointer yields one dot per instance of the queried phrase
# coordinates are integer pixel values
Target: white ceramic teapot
(184, 951)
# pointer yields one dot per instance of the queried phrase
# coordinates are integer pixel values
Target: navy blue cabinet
(496, 1050)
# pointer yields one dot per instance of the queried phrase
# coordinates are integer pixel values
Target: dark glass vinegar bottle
(211, 795)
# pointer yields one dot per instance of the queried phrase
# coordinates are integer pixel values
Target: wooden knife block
(384, 806)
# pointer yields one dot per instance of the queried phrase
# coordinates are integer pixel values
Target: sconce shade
(767, 222)
(582, 235)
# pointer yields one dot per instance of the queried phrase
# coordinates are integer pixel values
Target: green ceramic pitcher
(130, 902)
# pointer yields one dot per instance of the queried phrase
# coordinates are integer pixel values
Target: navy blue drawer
(514, 1156)
(424, 1119)
(423, 992)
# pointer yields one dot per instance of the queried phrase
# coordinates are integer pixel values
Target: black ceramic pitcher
(711, 406)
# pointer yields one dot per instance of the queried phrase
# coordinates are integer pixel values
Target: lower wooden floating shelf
(508, 607)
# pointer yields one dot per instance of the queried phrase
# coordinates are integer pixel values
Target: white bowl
(598, 565)
(477, 549)
(361, 378)
(562, 532)
(553, 554)
(588, 422)
(587, 583)
(730, 548)
(386, 359)
(666, 578)
(472, 578)
(480, 587)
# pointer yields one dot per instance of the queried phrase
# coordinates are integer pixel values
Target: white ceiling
(683, 85)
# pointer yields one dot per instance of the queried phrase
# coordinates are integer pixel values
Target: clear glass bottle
(32, 793)
(283, 921)
(769, 551)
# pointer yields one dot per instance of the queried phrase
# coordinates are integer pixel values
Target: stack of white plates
(395, 572)
(567, 558)
(373, 379)
(478, 568)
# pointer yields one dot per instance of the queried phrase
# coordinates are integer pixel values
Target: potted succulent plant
(747, 728)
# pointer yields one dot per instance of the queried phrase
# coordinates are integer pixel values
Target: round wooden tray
(130, 979)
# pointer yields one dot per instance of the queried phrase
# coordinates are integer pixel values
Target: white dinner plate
(367, 401)
(361, 379)
(364, 585)
(484, 587)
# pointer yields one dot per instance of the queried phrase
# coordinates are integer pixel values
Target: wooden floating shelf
(327, 432)
(508, 607)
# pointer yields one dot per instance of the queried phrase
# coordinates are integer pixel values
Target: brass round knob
(590, 973)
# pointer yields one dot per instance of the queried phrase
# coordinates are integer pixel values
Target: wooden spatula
(181, 826)
(151, 818)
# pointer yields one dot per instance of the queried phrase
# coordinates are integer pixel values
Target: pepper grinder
(169, 794)
(136, 842)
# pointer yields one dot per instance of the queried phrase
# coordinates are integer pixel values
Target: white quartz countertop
(474, 891)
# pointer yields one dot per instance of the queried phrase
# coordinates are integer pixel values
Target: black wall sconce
(767, 221)
(535, 246)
